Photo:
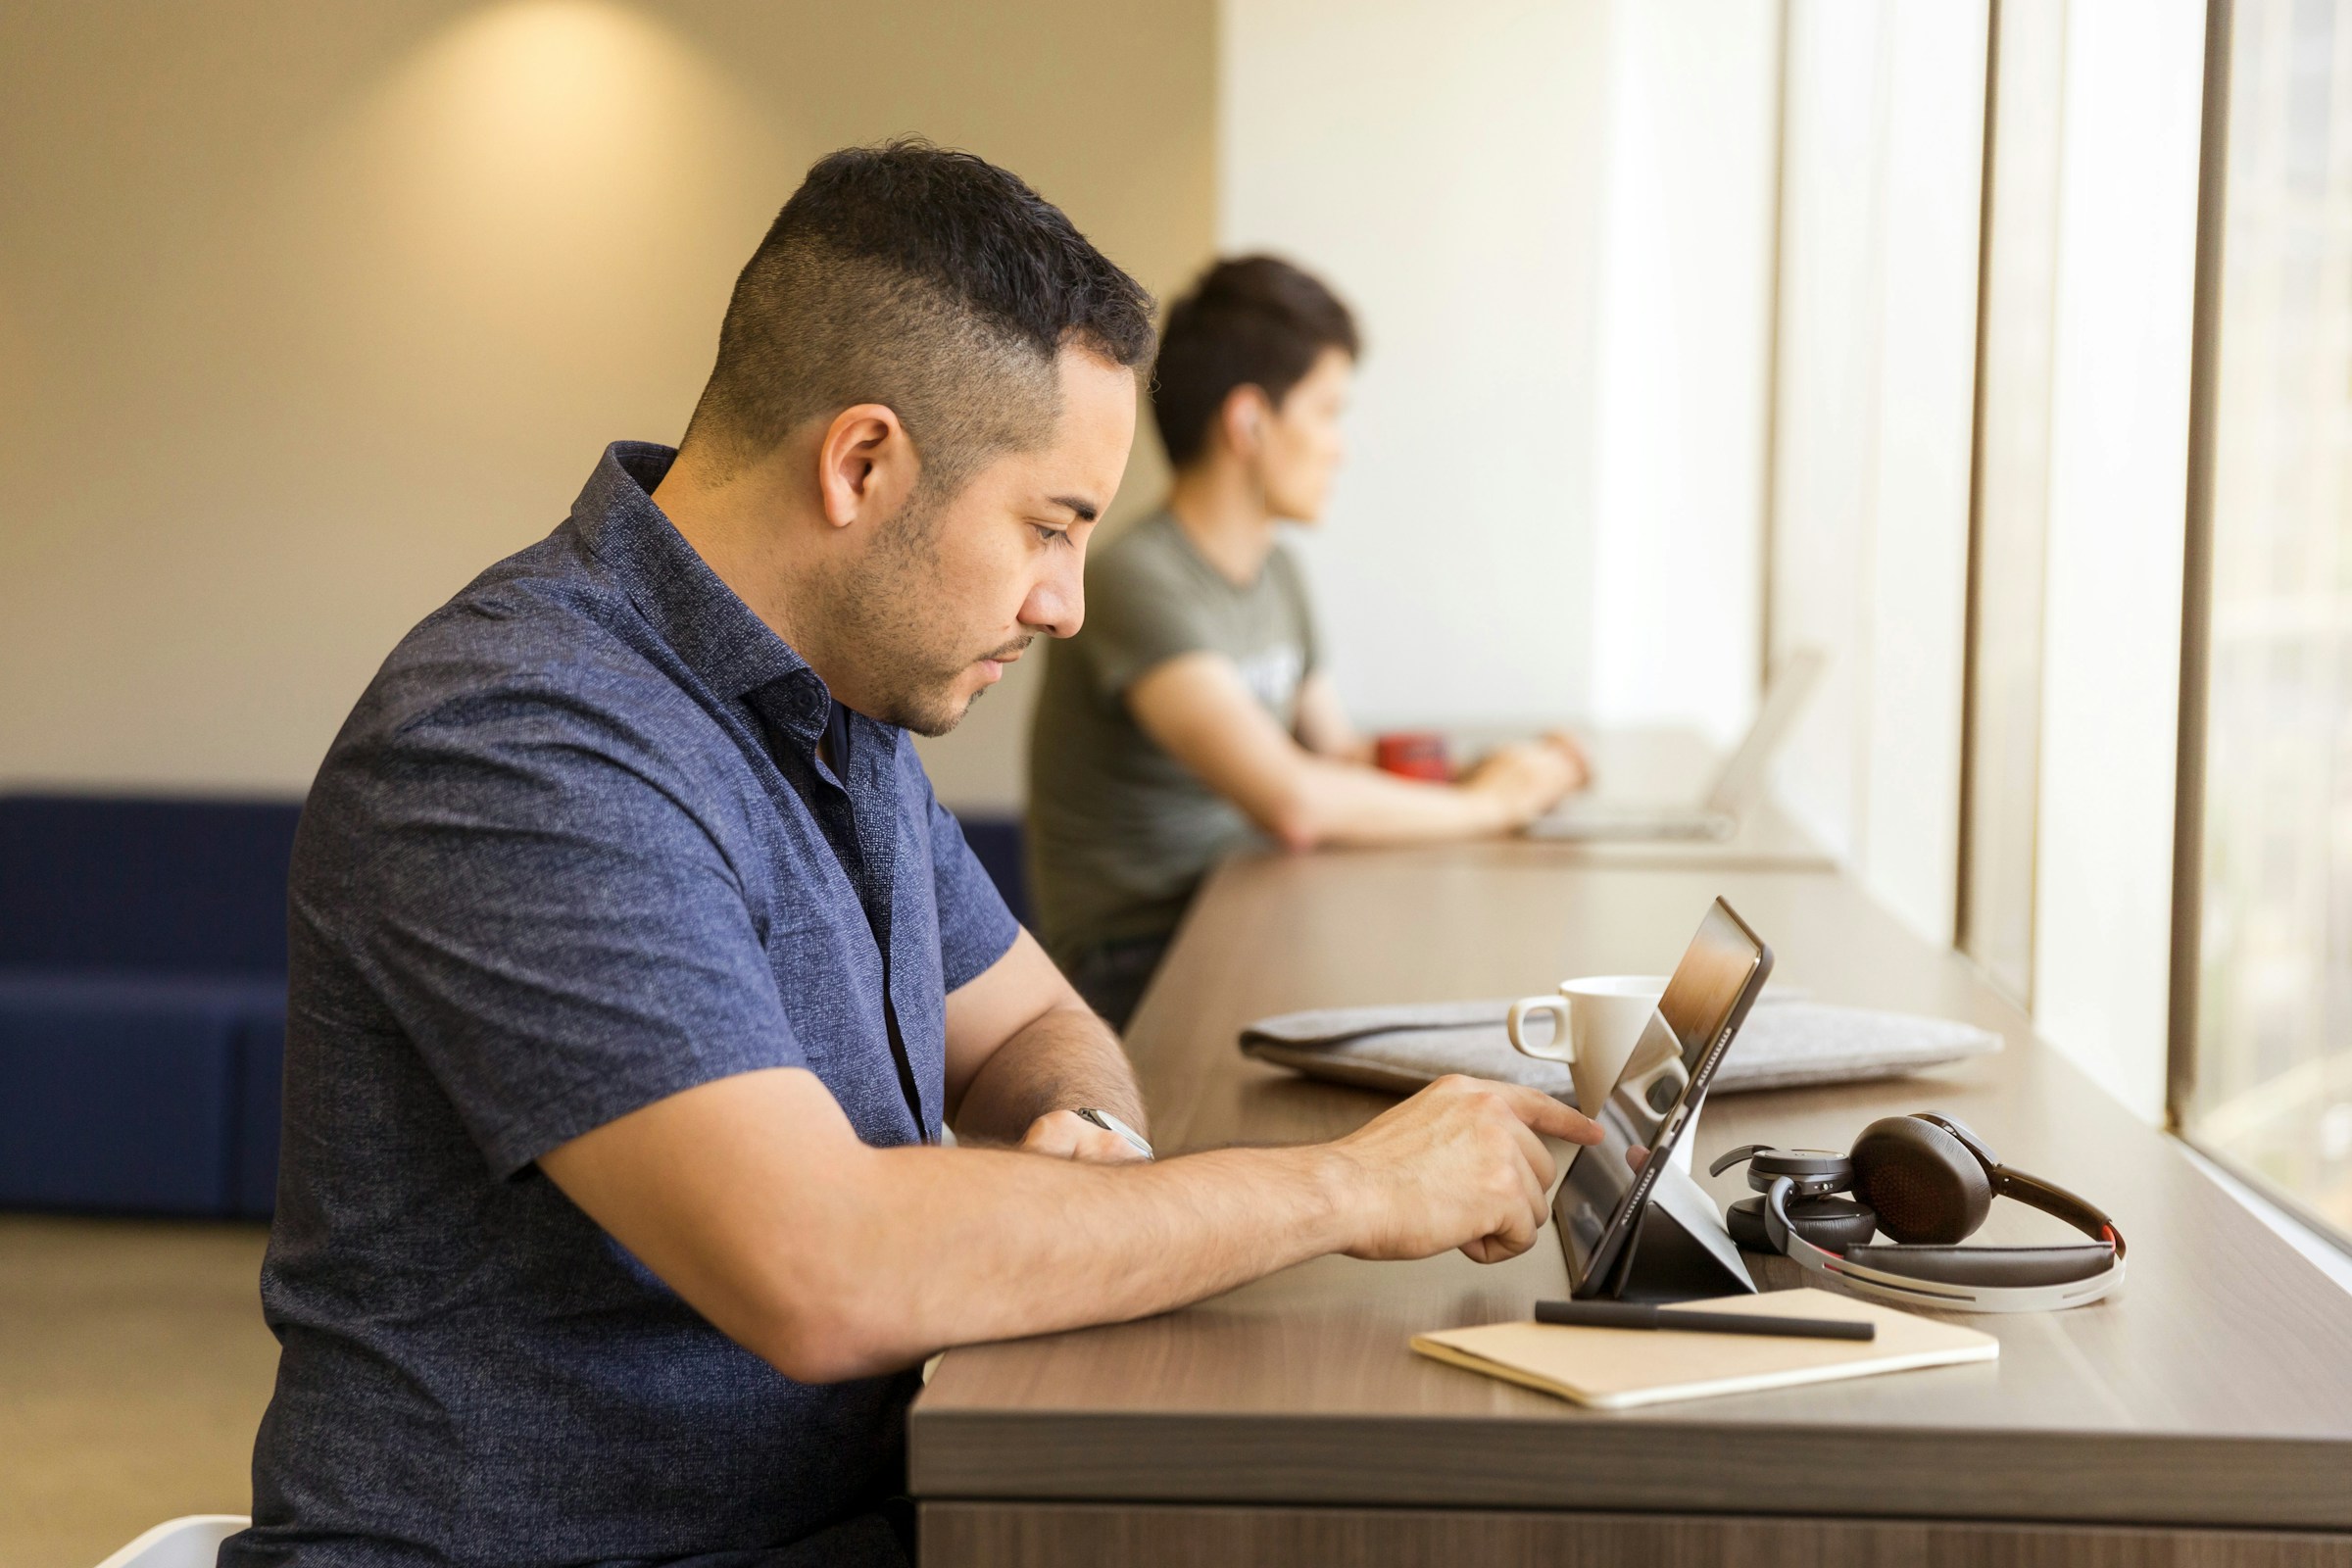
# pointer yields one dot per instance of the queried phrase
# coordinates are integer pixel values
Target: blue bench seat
(134, 1093)
(143, 1002)
(143, 999)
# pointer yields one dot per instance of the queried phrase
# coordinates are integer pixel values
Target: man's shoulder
(546, 639)
(1287, 574)
(1150, 552)
(526, 700)
(1284, 560)
(1148, 576)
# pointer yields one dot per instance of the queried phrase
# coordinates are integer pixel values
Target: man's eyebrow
(1084, 508)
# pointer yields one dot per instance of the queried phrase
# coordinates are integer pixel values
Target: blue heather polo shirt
(575, 851)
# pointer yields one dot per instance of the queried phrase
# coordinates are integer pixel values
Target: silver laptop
(1737, 786)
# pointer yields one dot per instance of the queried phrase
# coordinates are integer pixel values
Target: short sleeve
(975, 928)
(520, 880)
(1138, 617)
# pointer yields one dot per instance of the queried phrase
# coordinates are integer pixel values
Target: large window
(2263, 1054)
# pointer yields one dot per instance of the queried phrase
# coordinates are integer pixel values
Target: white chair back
(194, 1541)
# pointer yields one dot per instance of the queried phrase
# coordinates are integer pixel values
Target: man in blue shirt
(636, 972)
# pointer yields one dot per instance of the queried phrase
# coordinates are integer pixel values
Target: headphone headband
(1765, 1161)
(2032, 1191)
(1957, 1279)
(2059, 1203)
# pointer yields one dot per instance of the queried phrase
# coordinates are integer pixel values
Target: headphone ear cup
(1745, 1221)
(1925, 1183)
(1833, 1224)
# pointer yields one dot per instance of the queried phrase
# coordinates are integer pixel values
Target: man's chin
(943, 707)
(935, 717)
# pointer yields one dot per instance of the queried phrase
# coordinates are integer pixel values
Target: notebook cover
(1617, 1369)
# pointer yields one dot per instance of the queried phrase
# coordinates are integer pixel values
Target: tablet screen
(1600, 1199)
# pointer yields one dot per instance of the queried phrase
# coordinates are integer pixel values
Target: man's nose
(1056, 603)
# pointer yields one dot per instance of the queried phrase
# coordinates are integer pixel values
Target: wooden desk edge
(989, 1534)
(2043, 1477)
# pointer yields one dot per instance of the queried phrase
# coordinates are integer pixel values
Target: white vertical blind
(1877, 384)
(2013, 492)
(2119, 431)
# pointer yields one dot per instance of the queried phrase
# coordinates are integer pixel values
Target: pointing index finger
(1547, 1116)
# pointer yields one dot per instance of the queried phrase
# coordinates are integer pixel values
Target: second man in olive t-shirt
(1189, 714)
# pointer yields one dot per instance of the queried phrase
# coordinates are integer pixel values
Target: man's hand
(1527, 778)
(1459, 1164)
(1066, 1135)
(1580, 765)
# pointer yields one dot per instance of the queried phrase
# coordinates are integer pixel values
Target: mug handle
(1560, 1048)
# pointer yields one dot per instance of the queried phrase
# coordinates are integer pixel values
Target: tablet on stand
(1632, 1226)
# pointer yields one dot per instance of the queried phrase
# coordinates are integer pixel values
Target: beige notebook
(1616, 1369)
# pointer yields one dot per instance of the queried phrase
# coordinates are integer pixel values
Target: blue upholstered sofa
(143, 1002)
(143, 999)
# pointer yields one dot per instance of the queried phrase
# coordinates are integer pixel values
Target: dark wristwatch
(1112, 1124)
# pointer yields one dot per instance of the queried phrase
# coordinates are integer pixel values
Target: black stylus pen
(1647, 1315)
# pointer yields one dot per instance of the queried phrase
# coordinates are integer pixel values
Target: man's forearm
(754, 1197)
(1065, 1058)
(980, 1244)
(1044, 1244)
(1342, 802)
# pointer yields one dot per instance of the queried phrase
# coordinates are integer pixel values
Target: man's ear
(1243, 418)
(866, 465)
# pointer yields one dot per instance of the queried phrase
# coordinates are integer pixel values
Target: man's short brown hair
(929, 281)
(1252, 321)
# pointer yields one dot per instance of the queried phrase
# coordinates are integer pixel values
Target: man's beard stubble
(883, 613)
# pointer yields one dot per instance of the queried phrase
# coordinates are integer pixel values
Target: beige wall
(308, 313)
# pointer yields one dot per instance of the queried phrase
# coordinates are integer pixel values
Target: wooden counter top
(2215, 1390)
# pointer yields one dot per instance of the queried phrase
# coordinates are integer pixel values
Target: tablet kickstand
(1681, 1251)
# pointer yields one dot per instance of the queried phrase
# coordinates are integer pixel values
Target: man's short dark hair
(1252, 321)
(927, 280)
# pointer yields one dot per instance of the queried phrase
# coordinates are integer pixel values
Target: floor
(133, 1369)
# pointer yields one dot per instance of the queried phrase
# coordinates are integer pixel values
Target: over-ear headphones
(1927, 1182)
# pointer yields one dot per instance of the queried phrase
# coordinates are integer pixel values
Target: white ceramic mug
(1596, 1021)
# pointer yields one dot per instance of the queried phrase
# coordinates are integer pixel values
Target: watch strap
(1118, 1125)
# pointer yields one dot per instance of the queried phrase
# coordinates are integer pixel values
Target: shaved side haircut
(929, 281)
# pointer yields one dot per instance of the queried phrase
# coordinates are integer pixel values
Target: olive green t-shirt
(1120, 832)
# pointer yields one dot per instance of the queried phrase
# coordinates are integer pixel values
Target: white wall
(2117, 493)
(1441, 166)
(1528, 204)
(1685, 363)
(1878, 377)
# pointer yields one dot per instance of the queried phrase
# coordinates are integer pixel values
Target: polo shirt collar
(712, 630)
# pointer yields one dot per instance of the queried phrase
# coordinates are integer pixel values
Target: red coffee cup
(1413, 753)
